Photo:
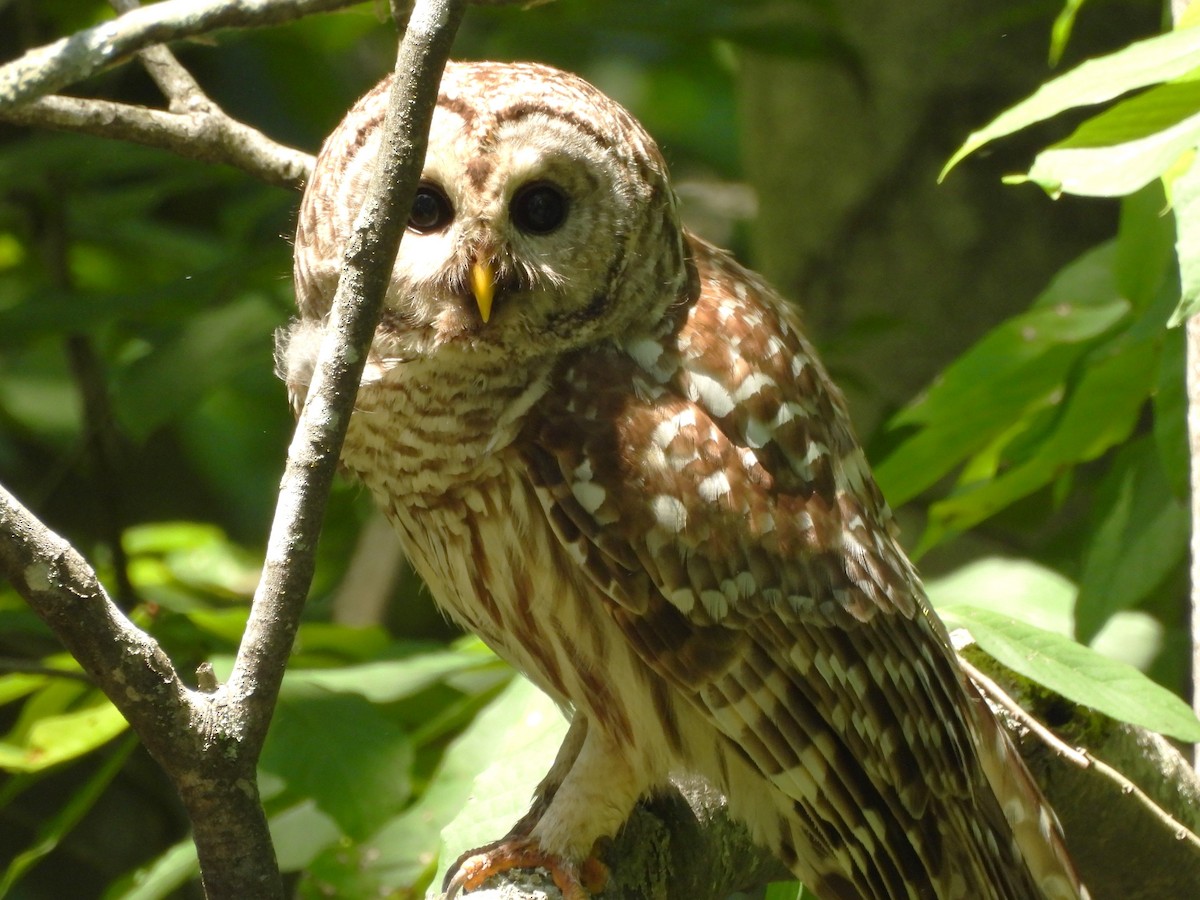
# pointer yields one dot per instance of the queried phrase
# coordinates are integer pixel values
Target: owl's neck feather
(426, 430)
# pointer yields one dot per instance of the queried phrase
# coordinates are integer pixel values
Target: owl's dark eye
(539, 208)
(431, 210)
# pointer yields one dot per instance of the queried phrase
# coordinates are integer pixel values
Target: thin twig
(209, 741)
(1001, 697)
(207, 135)
(1081, 757)
(12, 666)
(182, 91)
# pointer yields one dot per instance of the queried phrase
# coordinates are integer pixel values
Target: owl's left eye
(539, 208)
(431, 210)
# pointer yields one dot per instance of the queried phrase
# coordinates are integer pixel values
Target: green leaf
(1139, 519)
(783, 890)
(401, 856)
(1078, 673)
(300, 833)
(391, 680)
(1015, 370)
(1156, 59)
(343, 752)
(1098, 412)
(18, 685)
(53, 829)
(160, 878)
(1170, 414)
(1185, 195)
(1060, 31)
(1020, 587)
(1124, 148)
(1145, 257)
(61, 722)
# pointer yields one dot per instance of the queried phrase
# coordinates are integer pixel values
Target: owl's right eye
(431, 210)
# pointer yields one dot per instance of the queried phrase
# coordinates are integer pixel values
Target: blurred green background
(806, 136)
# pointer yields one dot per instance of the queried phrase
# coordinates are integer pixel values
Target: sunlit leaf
(1014, 371)
(783, 890)
(48, 734)
(386, 681)
(1099, 411)
(1185, 195)
(1060, 32)
(1156, 59)
(1124, 148)
(402, 855)
(1078, 673)
(1021, 588)
(301, 832)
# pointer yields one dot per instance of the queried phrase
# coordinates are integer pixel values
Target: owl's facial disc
(521, 235)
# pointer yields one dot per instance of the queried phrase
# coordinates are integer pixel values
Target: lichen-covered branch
(1090, 790)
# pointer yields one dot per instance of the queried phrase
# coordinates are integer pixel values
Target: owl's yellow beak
(483, 286)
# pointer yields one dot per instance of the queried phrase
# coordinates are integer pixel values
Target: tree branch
(68, 60)
(123, 660)
(366, 273)
(1129, 788)
(182, 91)
(682, 845)
(206, 134)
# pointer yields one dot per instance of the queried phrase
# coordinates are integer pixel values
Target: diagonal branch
(127, 663)
(176, 83)
(366, 272)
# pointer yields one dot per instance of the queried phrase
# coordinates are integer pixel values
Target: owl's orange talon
(575, 881)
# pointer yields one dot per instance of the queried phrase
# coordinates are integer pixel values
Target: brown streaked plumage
(636, 482)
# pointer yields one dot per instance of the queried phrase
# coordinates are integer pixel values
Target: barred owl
(610, 452)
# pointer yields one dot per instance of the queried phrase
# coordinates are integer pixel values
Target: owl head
(544, 219)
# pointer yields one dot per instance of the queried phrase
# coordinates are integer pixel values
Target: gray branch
(206, 134)
(68, 60)
(366, 272)
(62, 589)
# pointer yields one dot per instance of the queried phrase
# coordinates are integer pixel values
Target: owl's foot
(577, 881)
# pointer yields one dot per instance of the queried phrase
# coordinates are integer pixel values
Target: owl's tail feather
(1035, 827)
